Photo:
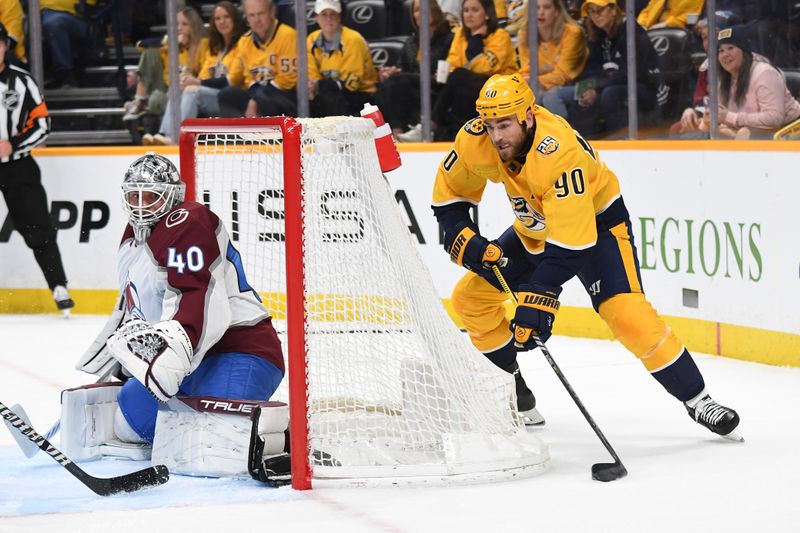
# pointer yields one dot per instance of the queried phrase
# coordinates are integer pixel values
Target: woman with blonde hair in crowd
(153, 74)
(562, 47)
(480, 49)
(754, 100)
(398, 93)
(199, 93)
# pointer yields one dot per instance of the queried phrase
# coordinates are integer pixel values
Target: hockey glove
(536, 309)
(97, 359)
(472, 251)
(158, 355)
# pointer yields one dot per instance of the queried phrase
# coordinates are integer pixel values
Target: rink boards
(713, 223)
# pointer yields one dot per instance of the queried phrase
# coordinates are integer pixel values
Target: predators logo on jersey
(529, 217)
(547, 146)
(262, 75)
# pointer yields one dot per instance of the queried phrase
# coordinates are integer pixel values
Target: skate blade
(532, 418)
(734, 436)
(65, 313)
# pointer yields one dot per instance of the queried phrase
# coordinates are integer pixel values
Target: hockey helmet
(504, 95)
(156, 175)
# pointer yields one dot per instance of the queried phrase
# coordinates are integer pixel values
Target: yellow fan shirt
(274, 61)
(350, 62)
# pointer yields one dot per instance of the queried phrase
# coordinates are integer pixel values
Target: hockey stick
(600, 471)
(30, 448)
(149, 477)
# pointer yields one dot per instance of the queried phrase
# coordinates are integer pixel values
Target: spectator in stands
(479, 49)
(517, 14)
(754, 99)
(341, 75)
(598, 100)
(691, 116)
(669, 13)
(63, 28)
(11, 18)
(562, 48)
(199, 94)
(262, 79)
(153, 71)
(398, 93)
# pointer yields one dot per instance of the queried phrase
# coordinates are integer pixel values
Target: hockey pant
(612, 278)
(231, 375)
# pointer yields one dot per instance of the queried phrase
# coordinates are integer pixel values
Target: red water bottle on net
(388, 156)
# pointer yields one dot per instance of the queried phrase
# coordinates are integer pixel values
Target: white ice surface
(682, 478)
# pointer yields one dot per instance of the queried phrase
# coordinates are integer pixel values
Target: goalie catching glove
(537, 305)
(158, 355)
(469, 249)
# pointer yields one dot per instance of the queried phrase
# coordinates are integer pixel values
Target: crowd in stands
(242, 61)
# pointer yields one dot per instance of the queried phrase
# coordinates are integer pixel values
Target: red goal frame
(290, 130)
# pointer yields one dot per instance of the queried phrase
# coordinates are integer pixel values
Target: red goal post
(383, 389)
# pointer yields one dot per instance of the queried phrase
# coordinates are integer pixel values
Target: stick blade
(24, 443)
(608, 471)
(141, 479)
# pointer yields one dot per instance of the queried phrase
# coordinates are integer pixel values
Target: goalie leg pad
(87, 419)
(202, 436)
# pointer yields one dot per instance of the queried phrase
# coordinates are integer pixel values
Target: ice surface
(681, 477)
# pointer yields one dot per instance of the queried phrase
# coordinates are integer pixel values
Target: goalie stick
(600, 471)
(148, 477)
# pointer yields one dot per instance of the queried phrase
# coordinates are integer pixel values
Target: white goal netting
(394, 391)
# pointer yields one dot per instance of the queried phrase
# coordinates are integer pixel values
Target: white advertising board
(714, 228)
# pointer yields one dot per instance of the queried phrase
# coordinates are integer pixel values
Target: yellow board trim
(737, 342)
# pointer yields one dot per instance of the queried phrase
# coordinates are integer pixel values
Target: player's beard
(524, 147)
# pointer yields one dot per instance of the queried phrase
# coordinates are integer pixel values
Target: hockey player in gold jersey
(570, 221)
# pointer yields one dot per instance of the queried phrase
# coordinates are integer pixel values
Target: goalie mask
(151, 188)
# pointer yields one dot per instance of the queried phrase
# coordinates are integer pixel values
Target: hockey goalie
(190, 340)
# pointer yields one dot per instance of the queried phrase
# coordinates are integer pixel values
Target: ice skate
(63, 299)
(718, 418)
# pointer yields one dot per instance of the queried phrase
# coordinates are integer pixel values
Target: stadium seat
(286, 16)
(386, 52)
(367, 17)
(673, 46)
(793, 82)
(399, 17)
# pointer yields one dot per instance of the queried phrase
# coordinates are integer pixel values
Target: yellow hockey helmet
(504, 95)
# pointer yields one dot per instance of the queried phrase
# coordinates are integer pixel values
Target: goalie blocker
(196, 436)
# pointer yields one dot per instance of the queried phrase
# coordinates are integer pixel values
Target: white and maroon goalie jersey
(189, 271)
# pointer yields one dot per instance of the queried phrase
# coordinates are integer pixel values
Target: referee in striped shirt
(24, 123)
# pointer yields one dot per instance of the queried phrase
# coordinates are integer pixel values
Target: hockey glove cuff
(472, 251)
(536, 309)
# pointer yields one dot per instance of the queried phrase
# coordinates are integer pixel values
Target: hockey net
(383, 388)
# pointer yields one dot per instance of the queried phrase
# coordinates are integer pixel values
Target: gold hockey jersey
(350, 63)
(498, 56)
(218, 65)
(273, 61)
(555, 194)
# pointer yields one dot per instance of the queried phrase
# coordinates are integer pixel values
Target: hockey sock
(503, 357)
(681, 378)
